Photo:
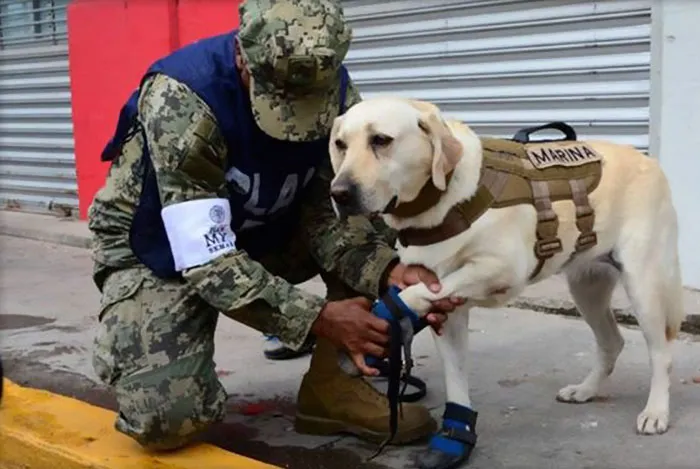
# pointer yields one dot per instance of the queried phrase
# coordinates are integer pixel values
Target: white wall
(675, 118)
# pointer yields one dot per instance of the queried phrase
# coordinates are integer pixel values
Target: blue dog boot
(455, 441)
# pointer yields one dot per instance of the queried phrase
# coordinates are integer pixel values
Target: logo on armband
(218, 239)
(217, 214)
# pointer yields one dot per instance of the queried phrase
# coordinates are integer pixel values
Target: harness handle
(523, 135)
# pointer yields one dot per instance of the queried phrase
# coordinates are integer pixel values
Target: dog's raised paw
(652, 422)
(575, 394)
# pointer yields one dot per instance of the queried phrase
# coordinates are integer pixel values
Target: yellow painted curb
(42, 430)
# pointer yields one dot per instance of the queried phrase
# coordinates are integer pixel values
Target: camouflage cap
(293, 50)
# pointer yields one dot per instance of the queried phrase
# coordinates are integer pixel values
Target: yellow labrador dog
(385, 150)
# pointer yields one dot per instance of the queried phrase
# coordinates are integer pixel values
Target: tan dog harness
(517, 172)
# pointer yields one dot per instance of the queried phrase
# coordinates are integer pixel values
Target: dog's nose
(341, 194)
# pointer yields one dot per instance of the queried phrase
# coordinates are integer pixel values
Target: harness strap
(460, 217)
(457, 413)
(548, 243)
(460, 413)
(395, 365)
(404, 324)
(459, 434)
(415, 381)
(585, 216)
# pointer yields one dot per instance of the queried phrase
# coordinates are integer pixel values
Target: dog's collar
(454, 223)
(458, 219)
(427, 198)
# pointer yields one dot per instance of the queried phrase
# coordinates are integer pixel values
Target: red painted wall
(111, 43)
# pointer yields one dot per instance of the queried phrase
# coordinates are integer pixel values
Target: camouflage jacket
(169, 112)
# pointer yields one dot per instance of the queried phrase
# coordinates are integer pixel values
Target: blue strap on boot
(381, 309)
(404, 324)
(391, 308)
(454, 443)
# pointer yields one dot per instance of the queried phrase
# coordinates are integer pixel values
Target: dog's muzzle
(345, 196)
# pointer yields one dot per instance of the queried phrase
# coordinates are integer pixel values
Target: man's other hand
(351, 326)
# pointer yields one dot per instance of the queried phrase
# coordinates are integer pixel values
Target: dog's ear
(336, 125)
(447, 149)
(332, 148)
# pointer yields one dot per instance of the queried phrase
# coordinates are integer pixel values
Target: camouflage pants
(155, 346)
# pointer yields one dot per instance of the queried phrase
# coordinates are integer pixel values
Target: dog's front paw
(576, 394)
(454, 443)
(652, 421)
(418, 298)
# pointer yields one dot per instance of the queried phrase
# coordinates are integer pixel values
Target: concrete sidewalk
(518, 360)
(58, 230)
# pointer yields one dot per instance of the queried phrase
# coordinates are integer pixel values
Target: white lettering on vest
(309, 175)
(252, 204)
(288, 193)
(239, 180)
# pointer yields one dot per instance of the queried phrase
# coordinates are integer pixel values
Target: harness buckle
(547, 247)
(584, 222)
(586, 241)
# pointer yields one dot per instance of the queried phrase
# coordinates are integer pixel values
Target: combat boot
(331, 401)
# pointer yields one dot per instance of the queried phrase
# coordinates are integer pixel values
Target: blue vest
(265, 177)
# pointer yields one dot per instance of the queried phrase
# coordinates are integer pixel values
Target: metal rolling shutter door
(500, 65)
(37, 163)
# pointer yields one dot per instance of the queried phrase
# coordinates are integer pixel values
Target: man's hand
(350, 325)
(403, 275)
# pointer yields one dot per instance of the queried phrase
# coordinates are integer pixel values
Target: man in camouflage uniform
(178, 228)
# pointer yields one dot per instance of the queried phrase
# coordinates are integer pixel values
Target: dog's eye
(340, 145)
(380, 140)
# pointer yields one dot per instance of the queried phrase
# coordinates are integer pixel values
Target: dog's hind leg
(591, 287)
(648, 250)
(643, 288)
(654, 288)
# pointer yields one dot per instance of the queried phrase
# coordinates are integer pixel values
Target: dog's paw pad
(444, 453)
(435, 459)
(575, 394)
(652, 422)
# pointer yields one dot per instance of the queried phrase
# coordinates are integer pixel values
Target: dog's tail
(672, 290)
(649, 247)
(673, 302)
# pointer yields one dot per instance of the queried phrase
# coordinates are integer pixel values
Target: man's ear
(447, 149)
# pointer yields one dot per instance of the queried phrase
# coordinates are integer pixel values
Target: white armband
(198, 231)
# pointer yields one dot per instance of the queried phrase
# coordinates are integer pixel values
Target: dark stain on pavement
(279, 406)
(232, 436)
(238, 438)
(21, 321)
